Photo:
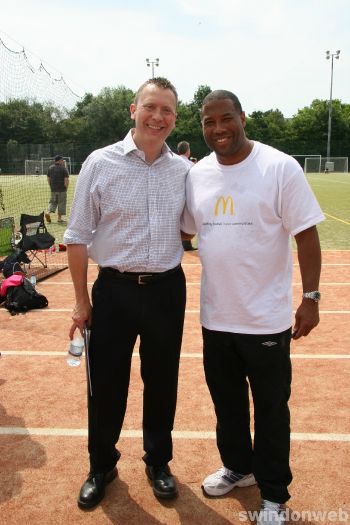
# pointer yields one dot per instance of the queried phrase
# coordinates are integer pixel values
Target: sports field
(30, 194)
(43, 438)
(333, 194)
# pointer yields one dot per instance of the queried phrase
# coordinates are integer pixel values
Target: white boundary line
(177, 434)
(64, 310)
(295, 264)
(70, 283)
(187, 355)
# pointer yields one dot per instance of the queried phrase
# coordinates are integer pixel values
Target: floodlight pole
(151, 62)
(330, 55)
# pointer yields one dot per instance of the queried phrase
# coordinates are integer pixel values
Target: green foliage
(188, 127)
(103, 119)
(309, 129)
(27, 122)
(99, 120)
(188, 124)
(269, 127)
(199, 96)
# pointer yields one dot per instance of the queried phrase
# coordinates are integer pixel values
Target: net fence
(40, 167)
(19, 79)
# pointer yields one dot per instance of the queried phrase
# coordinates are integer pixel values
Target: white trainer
(224, 480)
(271, 513)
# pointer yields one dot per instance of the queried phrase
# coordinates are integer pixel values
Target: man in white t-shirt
(245, 200)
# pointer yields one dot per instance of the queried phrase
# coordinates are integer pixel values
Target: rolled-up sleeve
(85, 211)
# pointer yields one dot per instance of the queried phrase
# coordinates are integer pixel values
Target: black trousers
(122, 310)
(230, 361)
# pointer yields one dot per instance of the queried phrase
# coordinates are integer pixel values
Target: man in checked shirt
(126, 216)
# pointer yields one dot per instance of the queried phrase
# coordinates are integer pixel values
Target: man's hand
(81, 317)
(306, 318)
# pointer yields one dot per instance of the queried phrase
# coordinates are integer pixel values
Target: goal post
(32, 167)
(334, 165)
(41, 166)
(46, 162)
(302, 160)
(312, 165)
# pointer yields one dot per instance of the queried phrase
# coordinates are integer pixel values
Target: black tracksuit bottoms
(231, 360)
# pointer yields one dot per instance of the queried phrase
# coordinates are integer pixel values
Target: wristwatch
(315, 296)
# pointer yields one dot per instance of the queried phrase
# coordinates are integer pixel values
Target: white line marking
(296, 436)
(182, 264)
(62, 310)
(333, 312)
(329, 264)
(325, 284)
(186, 355)
(320, 356)
(321, 312)
(336, 218)
(295, 264)
(177, 434)
(66, 283)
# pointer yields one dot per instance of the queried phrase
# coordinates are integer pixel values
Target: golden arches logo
(225, 202)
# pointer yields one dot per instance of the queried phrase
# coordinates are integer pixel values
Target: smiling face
(154, 114)
(223, 129)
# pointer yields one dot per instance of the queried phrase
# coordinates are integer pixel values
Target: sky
(270, 53)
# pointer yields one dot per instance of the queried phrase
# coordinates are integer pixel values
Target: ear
(243, 119)
(132, 111)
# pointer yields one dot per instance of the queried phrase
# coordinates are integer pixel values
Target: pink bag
(13, 280)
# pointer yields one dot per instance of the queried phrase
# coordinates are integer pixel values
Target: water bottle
(75, 350)
(33, 280)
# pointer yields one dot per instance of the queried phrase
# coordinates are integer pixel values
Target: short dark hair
(221, 94)
(160, 82)
(183, 147)
(58, 157)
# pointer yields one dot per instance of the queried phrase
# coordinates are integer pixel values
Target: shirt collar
(129, 146)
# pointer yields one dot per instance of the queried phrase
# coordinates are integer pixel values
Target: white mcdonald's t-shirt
(244, 215)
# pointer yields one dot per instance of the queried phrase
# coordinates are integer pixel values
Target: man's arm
(78, 265)
(66, 182)
(309, 256)
(186, 236)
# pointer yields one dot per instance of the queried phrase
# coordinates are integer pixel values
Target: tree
(188, 125)
(200, 94)
(27, 122)
(103, 119)
(269, 127)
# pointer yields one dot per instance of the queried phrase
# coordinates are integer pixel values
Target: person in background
(126, 216)
(58, 179)
(245, 200)
(184, 151)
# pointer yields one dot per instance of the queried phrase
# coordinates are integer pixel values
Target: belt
(139, 278)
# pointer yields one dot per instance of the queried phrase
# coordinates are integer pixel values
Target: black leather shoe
(163, 483)
(93, 490)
